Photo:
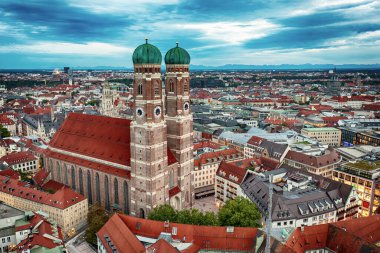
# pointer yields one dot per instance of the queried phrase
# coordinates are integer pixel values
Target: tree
(4, 132)
(163, 213)
(239, 212)
(96, 218)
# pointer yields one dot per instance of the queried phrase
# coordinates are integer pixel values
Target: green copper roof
(147, 54)
(177, 55)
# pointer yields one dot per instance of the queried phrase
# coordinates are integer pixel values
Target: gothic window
(107, 192)
(59, 172)
(97, 186)
(126, 198)
(81, 181)
(89, 187)
(73, 185)
(171, 86)
(140, 88)
(116, 191)
(156, 89)
(66, 175)
(171, 178)
(142, 213)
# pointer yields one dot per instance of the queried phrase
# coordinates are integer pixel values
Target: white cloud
(232, 32)
(121, 6)
(90, 48)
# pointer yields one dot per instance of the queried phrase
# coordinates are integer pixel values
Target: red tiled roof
(231, 172)
(41, 235)
(173, 191)
(162, 246)
(63, 198)
(41, 176)
(52, 185)
(206, 144)
(10, 173)
(255, 140)
(19, 157)
(221, 155)
(315, 161)
(122, 231)
(99, 137)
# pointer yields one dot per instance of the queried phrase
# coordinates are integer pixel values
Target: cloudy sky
(57, 33)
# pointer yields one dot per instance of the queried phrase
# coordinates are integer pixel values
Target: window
(156, 89)
(185, 86)
(291, 222)
(171, 86)
(3, 240)
(140, 89)
(8, 239)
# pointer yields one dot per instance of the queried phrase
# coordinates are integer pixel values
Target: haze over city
(46, 34)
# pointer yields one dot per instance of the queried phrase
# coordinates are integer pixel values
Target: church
(133, 165)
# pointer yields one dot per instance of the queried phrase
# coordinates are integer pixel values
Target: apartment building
(205, 167)
(301, 198)
(327, 135)
(22, 161)
(322, 164)
(228, 178)
(68, 208)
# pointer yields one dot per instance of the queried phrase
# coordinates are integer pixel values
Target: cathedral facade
(133, 165)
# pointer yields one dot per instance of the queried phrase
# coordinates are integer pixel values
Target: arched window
(116, 191)
(89, 187)
(81, 181)
(66, 175)
(107, 192)
(97, 187)
(126, 198)
(156, 89)
(171, 86)
(73, 184)
(140, 89)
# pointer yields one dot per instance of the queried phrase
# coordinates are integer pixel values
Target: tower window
(171, 86)
(185, 86)
(156, 89)
(140, 89)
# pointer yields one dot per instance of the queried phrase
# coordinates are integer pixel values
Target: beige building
(68, 208)
(327, 135)
(205, 167)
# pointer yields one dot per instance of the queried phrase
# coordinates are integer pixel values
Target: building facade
(133, 165)
(21, 161)
(327, 135)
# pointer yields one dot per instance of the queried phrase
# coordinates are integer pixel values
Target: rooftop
(320, 129)
(365, 165)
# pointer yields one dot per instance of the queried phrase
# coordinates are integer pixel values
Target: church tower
(107, 100)
(179, 120)
(149, 159)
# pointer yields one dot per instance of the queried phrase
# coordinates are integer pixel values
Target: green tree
(239, 212)
(163, 213)
(96, 218)
(4, 132)
(210, 219)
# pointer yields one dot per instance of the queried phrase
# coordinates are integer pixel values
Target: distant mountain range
(232, 67)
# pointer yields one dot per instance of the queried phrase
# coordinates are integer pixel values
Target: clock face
(186, 106)
(157, 111)
(139, 112)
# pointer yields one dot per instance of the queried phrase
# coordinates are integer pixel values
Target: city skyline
(42, 34)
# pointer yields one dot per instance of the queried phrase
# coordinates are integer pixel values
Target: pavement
(206, 204)
(78, 245)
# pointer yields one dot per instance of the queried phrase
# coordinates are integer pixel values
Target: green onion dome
(177, 55)
(147, 54)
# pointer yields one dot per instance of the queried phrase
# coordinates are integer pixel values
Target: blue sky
(57, 33)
